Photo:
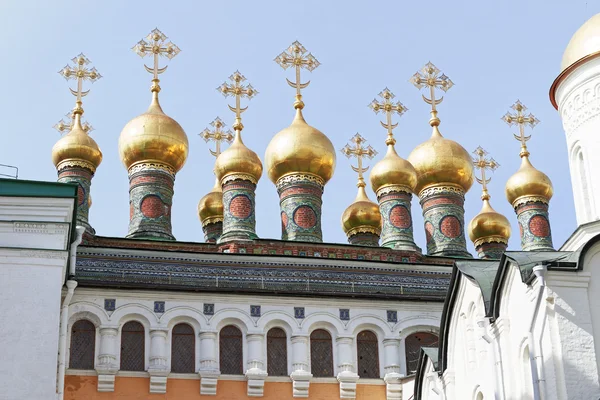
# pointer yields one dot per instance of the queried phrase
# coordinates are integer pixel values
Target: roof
(427, 354)
(23, 188)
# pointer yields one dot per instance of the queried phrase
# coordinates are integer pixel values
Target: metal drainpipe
(64, 316)
(484, 324)
(535, 356)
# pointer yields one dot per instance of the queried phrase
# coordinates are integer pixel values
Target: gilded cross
(389, 107)
(359, 151)
(429, 76)
(217, 135)
(81, 73)
(519, 118)
(156, 44)
(483, 164)
(238, 90)
(296, 56)
(63, 125)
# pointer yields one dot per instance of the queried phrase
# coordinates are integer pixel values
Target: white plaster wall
(591, 268)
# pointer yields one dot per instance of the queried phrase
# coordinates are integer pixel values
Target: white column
(346, 376)
(157, 368)
(255, 373)
(209, 370)
(391, 352)
(107, 366)
(300, 371)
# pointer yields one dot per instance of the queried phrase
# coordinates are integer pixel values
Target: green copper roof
(484, 275)
(21, 188)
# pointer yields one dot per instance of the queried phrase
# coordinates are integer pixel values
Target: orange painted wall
(85, 388)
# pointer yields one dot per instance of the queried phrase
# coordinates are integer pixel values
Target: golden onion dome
(528, 182)
(238, 160)
(210, 207)
(302, 149)
(362, 215)
(393, 170)
(440, 161)
(77, 146)
(585, 42)
(153, 137)
(489, 225)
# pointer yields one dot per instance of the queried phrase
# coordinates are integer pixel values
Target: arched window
(133, 343)
(527, 378)
(367, 349)
(183, 349)
(479, 396)
(231, 355)
(83, 344)
(277, 352)
(321, 353)
(413, 344)
(584, 186)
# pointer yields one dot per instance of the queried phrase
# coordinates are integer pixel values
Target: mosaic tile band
(491, 250)
(300, 201)
(534, 226)
(82, 177)
(397, 224)
(364, 239)
(212, 232)
(239, 218)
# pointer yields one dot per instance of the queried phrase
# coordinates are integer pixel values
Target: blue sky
(495, 52)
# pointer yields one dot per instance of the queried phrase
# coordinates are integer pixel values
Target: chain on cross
(483, 164)
(296, 56)
(217, 135)
(519, 118)
(156, 44)
(389, 107)
(80, 72)
(429, 76)
(238, 90)
(359, 152)
(63, 125)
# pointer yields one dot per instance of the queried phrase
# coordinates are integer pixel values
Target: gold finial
(63, 125)
(359, 152)
(430, 76)
(156, 44)
(519, 118)
(296, 56)
(238, 91)
(79, 72)
(217, 135)
(483, 164)
(389, 108)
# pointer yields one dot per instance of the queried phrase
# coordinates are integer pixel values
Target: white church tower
(575, 93)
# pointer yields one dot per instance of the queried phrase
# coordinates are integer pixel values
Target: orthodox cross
(519, 118)
(237, 90)
(81, 73)
(430, 76)
(359, 152)
(482, 164)
(389, 107)
(217, 135)
(296, 56)
(63, 125)
(155, 43)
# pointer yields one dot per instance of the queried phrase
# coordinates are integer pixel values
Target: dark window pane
(277, 352)
(321, 353)
(132, 346)
(231, 357)
(367, 355)
(83, 343)
(413, 344)
(183, 349)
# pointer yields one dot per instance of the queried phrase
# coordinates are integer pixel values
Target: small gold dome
(238, 160)
(489, 226)
(528, 182)
(210, 207)
(441, 161)
(300, 148)
(153, 136)
(362, 215)
(585, 42)
(393, 170)
(77, 145)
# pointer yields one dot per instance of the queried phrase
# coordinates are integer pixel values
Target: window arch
(321, 353)
(83, 345)
(133, 344)
(277, 352)
(183, 349)
(231, 351)
(367, 349)
(413, 344)
(527, 378)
